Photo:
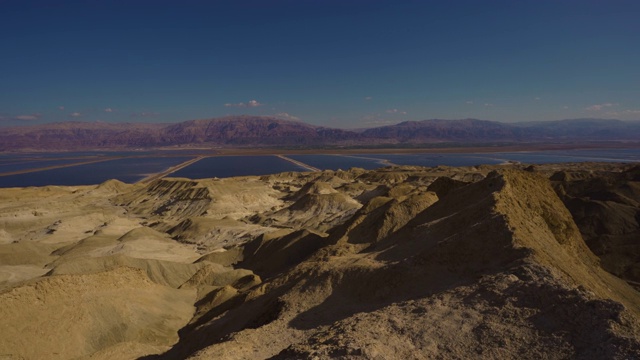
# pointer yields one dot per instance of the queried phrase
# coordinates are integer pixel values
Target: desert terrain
(245, 133)
(510, 262)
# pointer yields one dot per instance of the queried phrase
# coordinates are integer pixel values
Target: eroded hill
(402, 262)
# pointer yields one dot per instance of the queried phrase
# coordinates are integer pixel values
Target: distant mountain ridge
(243, 131)
(592, 129)
(446, 130)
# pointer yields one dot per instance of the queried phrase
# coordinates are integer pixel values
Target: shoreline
(199, 154)
(448, 149)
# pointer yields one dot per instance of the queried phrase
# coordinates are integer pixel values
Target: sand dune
(402, 262)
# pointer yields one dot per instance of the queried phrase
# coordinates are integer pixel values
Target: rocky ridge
(264, 131)
(400, 262)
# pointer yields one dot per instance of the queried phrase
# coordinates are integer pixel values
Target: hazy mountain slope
(242, 131)
(585, 129)
(238, 130)
(447, 130)
(79, 135)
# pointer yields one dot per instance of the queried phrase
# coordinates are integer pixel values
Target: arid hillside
(264, 131)
(488, 262)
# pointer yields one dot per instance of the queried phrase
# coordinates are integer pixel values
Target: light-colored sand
(146, 243)
(10, 274)
(70, 316)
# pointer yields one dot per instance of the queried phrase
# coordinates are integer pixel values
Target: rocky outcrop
(606, 207)
(401, 262)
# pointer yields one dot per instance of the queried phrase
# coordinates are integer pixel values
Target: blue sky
(341, 63)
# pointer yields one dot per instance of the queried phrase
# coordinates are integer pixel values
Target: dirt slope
(494, 269)
(400, 262)
(606, 207)
(70, 316)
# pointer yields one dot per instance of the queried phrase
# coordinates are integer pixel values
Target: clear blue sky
(335, 63)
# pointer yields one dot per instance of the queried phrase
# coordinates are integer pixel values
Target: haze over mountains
(239, 131)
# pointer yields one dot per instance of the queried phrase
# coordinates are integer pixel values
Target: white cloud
(396, 111)
(469, 102)
(27, 117)
(565, 107)
(108, 110)
(60, 107)
(75, 114)
(250, 103)
(624, 113)
(368, 98)
(286, 116)
(145, 114)
(379, 122)
(488, 104)
(600, 107)
(536, 99)
(376, 120)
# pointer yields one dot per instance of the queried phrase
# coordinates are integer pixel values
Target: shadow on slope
(501, 256)
(606, 208)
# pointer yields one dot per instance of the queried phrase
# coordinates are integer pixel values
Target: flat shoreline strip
(171, 170)
(299, 163)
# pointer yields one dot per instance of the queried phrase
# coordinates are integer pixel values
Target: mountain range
(244, 131)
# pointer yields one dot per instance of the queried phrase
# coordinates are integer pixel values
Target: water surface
(138, 164)
(228, 166)
(127, 170)
(344, 162)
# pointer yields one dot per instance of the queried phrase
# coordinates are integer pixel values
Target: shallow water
(372, 161)
(128, 170)
(228, 166)
(139, 164)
